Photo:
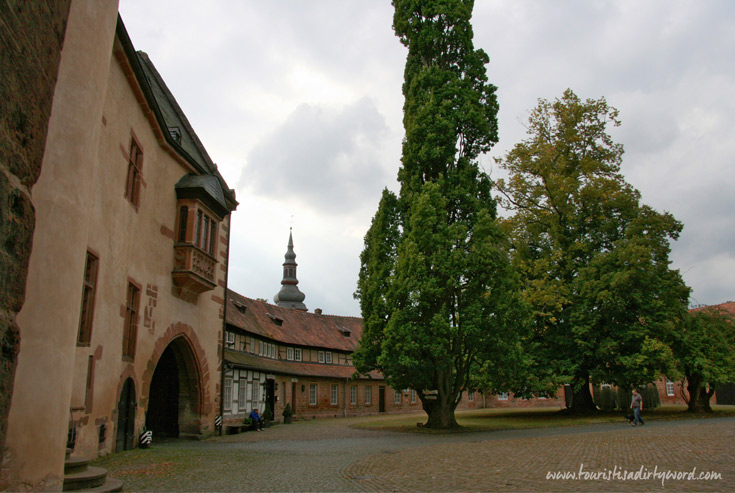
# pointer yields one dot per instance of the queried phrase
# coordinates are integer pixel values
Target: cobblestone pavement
(328, 455)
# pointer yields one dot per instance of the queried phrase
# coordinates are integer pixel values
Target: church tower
(289, 296)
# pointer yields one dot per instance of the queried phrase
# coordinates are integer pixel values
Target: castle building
(125, 293)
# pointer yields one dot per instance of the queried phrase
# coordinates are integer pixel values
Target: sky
(299, 103)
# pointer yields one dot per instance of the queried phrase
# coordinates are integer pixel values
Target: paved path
(327, 455)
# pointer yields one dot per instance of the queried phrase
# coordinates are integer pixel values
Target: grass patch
(514, 419)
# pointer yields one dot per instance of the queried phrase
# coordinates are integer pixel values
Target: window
(205, 232)
(335, 394)
(471, 396)
(353, 395)
(89, 288)
(255, 391)
(413, 397)
(503, 396)
(227, 394)
(242, 393)
(312, 394)
(230, 338)
(669, 388)
(368, 395)
(328, 357)
(289, 354)
(135, 168)
(321, 356)
(542, 395)
(397, 398)
(297, 354)
(183, 218)
(131, 321)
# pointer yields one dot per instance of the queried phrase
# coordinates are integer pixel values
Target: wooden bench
(235, 428)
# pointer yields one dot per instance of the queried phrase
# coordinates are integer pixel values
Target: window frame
(289, 353)
(227, 394)
(135, 173)
(503, 396)
(297, 354)
(413, 396)
(320, 356)
(672, 392)
(89, 293)
(313, 392)
(397, 397)
(353, 395)
(328, 357)
(368, 395)
(130, 329)
(335, 395)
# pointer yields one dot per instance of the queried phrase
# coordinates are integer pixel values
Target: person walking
(637, 406)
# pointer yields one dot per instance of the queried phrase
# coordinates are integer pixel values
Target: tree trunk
(582, 401)
(696, 402)
(440, 411)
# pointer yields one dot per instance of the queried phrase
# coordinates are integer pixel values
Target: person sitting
(256, 420)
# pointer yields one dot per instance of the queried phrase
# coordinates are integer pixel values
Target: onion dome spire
(289, 296)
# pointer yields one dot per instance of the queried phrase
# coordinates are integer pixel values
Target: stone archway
(174, 405)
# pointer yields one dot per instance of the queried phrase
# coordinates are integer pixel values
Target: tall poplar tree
(593, 258)
(438, 296)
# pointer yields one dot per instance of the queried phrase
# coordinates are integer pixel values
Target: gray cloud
(329, 159)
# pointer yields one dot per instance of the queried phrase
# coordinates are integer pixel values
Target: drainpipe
(224, 328)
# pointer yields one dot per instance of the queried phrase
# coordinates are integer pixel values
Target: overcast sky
(300, 105)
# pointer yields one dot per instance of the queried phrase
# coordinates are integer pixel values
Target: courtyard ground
(337, 455)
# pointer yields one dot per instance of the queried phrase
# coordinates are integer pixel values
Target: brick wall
(30, 48)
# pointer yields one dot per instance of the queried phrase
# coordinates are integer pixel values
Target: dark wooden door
(381, 399)
(126, 417)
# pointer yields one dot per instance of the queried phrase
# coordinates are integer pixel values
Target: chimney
(318, 311)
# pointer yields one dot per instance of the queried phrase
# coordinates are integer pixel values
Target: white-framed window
(255, 392)
(470, 396)
(353, 395)
(328, 357)
(297, 354)
(368, 394)
(397, 398)
(289, 354)
(542, 395)
(503, 396)
(669, 388)
(335, 394)
(252, 345)
(320, 356)
(312, 394)
(413, 396)
(230, 338)
(242, 393)
(227, 394)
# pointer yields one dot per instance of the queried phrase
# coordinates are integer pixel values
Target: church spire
(289, 296)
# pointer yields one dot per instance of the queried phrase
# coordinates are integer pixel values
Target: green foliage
(287, 411)
(438, 294)
(594, 260)
(704, 350)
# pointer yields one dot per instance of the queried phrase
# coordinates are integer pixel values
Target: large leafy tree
(436, 285)
(594, 259)
(704, 351)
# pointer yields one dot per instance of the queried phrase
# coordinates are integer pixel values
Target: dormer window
(175, 133)
(240, 307)
(276, 320)
(345, 332)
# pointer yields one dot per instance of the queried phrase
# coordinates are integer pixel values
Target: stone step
(87, 479)
(111, 484)
(75, 464)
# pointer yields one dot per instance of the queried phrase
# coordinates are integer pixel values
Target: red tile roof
(254, 362)
(728, 306)
(296, 327)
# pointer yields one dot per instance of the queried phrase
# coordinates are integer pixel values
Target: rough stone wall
(31, 37)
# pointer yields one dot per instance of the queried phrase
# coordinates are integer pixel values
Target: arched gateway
(175, 393)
